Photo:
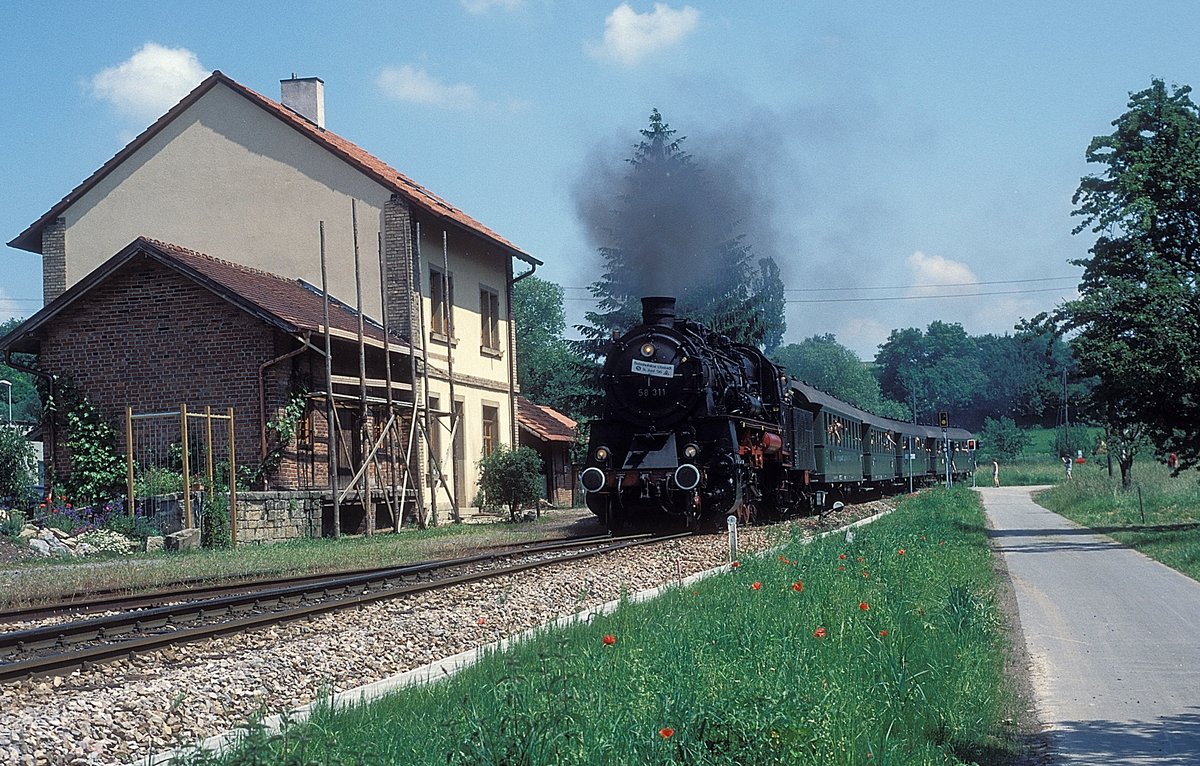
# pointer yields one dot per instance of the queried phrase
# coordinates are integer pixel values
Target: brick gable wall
(151, 339)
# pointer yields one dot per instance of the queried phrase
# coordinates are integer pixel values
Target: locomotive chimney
(658, 311)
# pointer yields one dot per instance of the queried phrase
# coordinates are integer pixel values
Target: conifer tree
(673, 229)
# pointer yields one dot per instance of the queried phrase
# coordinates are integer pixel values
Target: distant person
(1172, 461)
(1067, 464)
(995, 474)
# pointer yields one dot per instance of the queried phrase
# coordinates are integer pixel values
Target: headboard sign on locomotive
(696, 427)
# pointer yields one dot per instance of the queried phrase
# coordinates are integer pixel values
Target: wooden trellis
(149, 439)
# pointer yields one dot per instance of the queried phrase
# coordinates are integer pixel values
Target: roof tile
(545, 422)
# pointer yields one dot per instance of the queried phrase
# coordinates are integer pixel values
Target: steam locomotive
(696, 428)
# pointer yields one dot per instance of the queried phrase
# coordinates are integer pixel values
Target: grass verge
(887, 650)
(1159, 515)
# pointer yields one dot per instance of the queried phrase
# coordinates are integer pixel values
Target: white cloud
(415, 85)
(930, 271)
(150, 82)
(483, 6)
(630, 36)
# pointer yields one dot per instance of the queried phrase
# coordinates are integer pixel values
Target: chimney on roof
(306, 97)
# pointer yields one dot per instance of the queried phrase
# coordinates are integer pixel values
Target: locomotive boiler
(695, 427)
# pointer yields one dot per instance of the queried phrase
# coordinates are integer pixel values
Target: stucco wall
(230, 180)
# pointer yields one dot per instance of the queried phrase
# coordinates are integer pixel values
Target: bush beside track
(885, 650)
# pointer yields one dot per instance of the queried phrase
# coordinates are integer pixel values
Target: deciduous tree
(549, 370)
(1137, 318)
(824, 363)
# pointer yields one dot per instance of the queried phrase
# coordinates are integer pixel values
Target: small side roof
(546, 423)
(372, 166)
(290, 305)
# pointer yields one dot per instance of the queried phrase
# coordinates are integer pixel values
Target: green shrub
(157, 481)
(1001, 439)
(17, 462)
(1073, 440)
(137, 526)
(510, 479)
(215, 531)
(12, 523)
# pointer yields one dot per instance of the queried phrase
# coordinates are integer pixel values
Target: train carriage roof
(825, 401)
(822, 400)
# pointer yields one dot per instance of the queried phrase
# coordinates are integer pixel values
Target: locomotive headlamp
(601, 454)
(592, 479)
(647, 350)
(690, 451)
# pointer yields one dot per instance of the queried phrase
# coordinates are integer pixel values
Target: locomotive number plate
(653, 368)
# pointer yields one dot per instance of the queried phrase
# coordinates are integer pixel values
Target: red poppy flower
(841, 569)
(666, 732)
(867, 575)
(756, 586)
(841, 556)
(860, 559)
(900, 552)
(482, 620)
(695, 593)
(883, 634)
(735, 564)
(798, 587)
(784, 559)
(864, 606)
(609, 639)
(819, 632)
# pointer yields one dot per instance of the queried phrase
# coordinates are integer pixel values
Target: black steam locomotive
(697, 428)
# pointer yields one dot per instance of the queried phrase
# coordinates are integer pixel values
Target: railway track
(121, 599)
(59, 648)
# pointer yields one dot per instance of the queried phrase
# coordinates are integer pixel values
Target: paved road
(1114, 638)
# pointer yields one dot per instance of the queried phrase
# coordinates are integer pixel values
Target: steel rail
(121, 599)
(350, 592)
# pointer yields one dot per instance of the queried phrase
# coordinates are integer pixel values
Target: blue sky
(903, 149)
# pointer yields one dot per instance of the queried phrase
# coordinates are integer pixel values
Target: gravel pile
(126, 710)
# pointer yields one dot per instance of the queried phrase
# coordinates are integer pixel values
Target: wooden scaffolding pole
(233, 525)
(187, 479)
(431, 519)
(330, 410)
(129, 459)
(364, 429)
(446, 304)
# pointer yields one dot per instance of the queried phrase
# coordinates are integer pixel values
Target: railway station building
(256, 207)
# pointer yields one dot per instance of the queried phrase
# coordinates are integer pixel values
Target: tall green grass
(887, 650)
(1159, 515)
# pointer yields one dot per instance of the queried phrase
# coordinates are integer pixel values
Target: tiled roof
(389, 177)
(546, 423)
(288, 304)
(286, 299)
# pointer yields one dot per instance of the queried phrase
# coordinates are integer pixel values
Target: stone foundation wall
(271, 517)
